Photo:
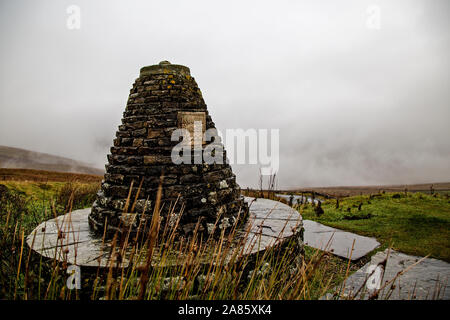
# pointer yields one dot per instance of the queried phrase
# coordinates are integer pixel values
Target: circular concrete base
(69, 239)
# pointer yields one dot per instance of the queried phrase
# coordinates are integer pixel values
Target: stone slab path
(333, 240)
(337, 241)
(428, 279)
(69, 238)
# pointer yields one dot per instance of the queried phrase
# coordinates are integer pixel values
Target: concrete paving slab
(68, 237)
(426, 280)
(337, 241)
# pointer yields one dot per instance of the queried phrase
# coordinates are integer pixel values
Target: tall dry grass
(75, 195)
(161, 264)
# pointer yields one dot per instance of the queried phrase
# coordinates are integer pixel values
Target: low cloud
(354, 105)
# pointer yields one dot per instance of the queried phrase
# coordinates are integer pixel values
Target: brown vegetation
(348, 191)
(44, 176)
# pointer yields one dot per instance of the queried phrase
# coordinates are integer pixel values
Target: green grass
(25, 275)
(416, 224)
(35, 190)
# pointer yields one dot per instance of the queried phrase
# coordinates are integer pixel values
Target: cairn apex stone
(165, 98)
(165, 67)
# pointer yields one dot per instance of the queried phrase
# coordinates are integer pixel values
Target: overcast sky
(355, 104)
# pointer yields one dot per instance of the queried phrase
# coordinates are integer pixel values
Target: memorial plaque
(188, 121)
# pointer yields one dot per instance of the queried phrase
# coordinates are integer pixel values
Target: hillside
(20, 158)
(32, 175)
(413, 223)
(346, 191)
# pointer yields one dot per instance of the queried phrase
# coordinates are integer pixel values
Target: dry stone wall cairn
(164, 98)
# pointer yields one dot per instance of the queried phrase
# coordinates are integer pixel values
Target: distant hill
(9, 175)
(343, 191)
(25, 159)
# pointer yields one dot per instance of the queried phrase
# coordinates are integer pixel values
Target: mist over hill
(11, 157)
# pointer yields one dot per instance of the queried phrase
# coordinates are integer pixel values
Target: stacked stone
(142, 153)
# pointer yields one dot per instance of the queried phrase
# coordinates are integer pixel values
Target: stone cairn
(164, 98)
